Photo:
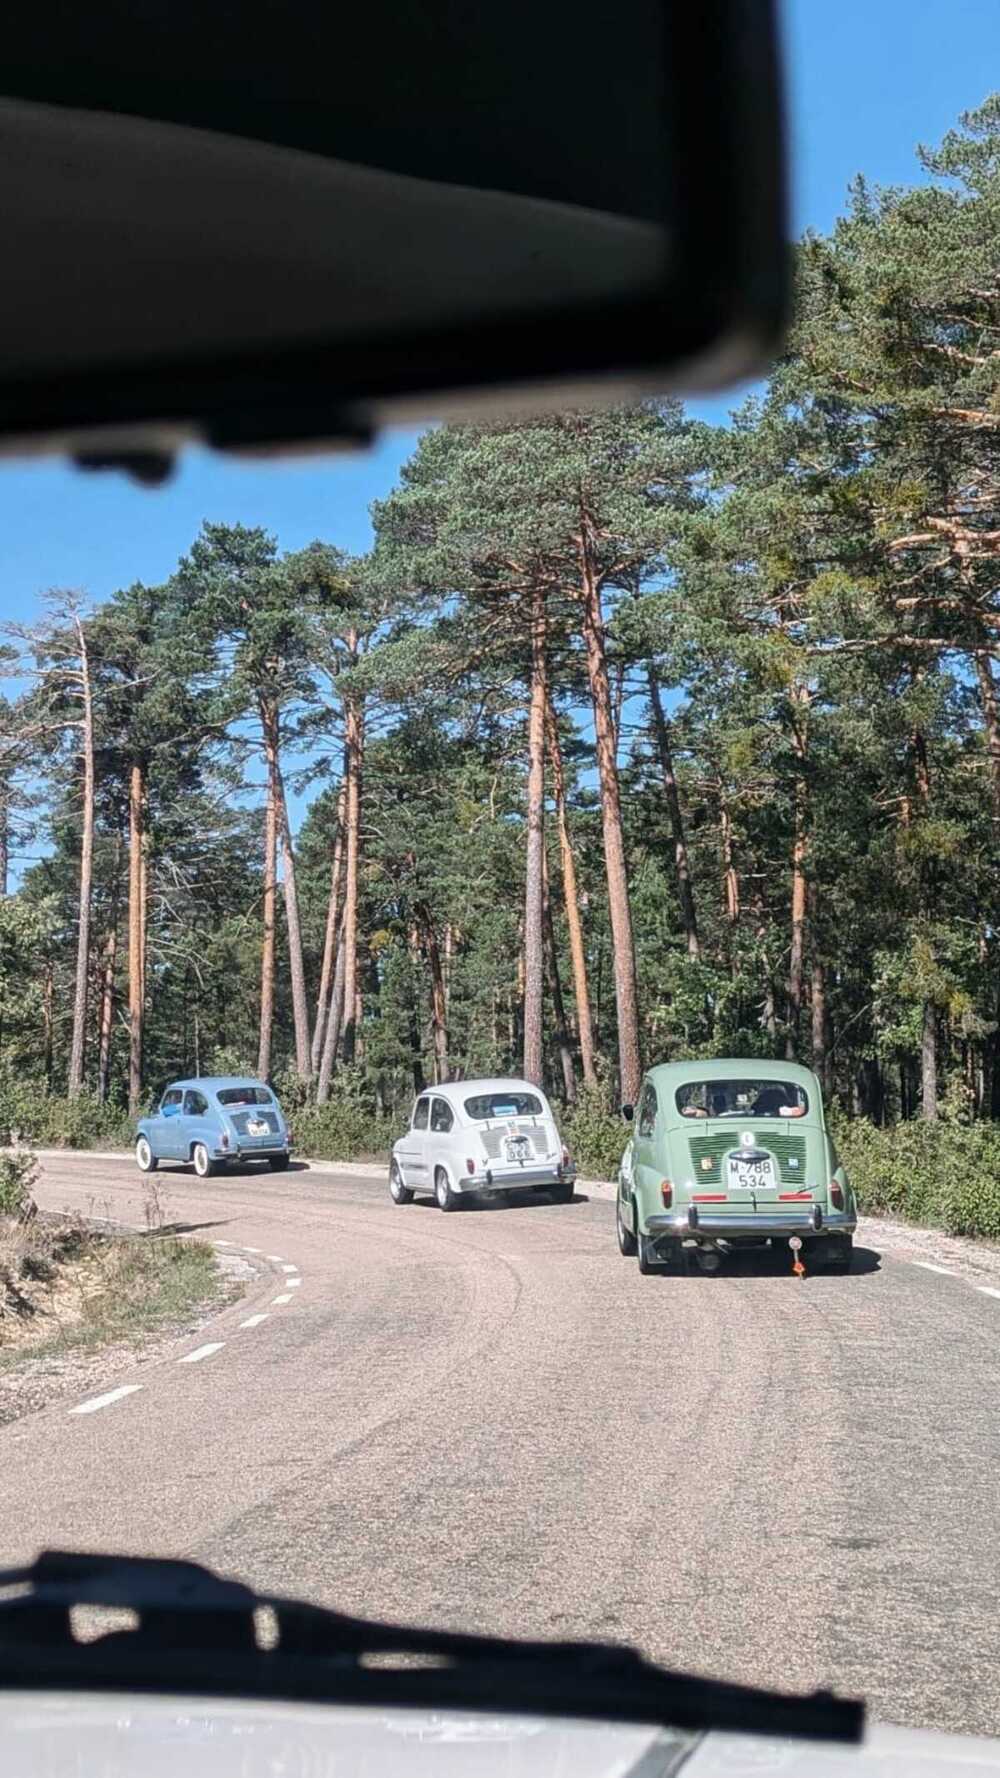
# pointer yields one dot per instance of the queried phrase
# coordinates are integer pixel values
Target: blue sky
(868, 80)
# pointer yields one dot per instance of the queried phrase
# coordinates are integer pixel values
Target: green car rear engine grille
(787, 1147)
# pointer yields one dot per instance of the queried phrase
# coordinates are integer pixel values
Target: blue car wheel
(145, 1158)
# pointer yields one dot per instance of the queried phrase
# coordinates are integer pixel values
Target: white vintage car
(475, 1136)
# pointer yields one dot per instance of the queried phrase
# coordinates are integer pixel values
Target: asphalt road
(489, 1420)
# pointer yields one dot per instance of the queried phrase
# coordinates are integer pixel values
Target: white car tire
(445, 1198)
(399, 1191)
(202, 1161)
(145, 1159)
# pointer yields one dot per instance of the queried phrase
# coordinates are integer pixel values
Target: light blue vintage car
(212, 1121)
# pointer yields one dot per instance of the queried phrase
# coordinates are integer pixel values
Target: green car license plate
(744, 1175)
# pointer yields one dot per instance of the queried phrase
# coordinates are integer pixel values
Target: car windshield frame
(796, 1104)
(233, 1098)
(513, 1104)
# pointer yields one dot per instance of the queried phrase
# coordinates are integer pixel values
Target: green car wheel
(649, 1260)
(626, 1239)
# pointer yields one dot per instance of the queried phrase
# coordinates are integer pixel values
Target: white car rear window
(487, 1105)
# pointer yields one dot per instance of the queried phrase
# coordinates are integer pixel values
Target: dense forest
(631, 738)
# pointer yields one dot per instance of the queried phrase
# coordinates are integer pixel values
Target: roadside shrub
(18, 1172)
(48, 1120)
(595, 1135)
(945, 1174)
(345, 1129)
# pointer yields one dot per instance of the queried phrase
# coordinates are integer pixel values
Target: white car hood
(58, 1735)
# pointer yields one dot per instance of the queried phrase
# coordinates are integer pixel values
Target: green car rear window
(742, 1098)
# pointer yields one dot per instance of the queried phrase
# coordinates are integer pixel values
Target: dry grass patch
(64, 1285)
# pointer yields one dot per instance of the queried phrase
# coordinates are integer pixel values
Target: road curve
(489, 1420)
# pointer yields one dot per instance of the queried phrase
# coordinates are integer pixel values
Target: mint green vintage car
(730, 1154)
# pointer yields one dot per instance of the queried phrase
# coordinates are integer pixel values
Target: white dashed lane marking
(987, 1290)
(290, 1283)
(202, 1352)
(254, 1321)
(287, 1268)
(104, 1401)
(276, 1257)
(282, 1299)
(927, 1265)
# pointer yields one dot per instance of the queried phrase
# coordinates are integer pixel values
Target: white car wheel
(203, 1164)
(145, 1158)
(399, 1191)
(446, 1198)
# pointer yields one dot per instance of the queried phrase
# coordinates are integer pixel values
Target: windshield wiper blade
(197, 1633)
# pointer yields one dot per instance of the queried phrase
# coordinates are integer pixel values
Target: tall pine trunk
(48, 1022)
(928, 1063)
(818, 1011)
(330, 934)
(619, 905)
(355, 751)
(267, 950)
(271, 727)
(571, 903)
(991, 723)
(534, 1063)
(78, 1041)
(555, 991)
(136, 930)
(4, 838)
(106, 1024)
(800, 845)
(334, 1024)
(439, 1010)
(682, 866)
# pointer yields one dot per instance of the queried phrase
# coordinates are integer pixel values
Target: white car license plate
(517, 1148)
(256, 1128)
(750, 1176)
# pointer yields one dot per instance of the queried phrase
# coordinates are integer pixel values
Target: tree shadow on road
(182, 1228)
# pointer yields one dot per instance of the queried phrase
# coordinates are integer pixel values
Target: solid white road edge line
(926, 1265)
(281, 1299)
(202, 1352)
(104, 1401)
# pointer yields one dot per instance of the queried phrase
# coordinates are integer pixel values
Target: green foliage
(29, 1114)
(595, 1135)
(345, 1129)
(18, 1173)
(944, 1174)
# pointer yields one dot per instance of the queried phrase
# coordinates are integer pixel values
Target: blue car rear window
(244, 1096)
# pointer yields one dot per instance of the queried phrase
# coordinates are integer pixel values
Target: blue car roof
(215, 1081)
